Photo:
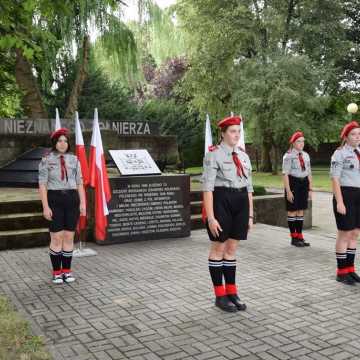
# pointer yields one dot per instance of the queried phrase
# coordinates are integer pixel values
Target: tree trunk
(79, 81)
(275, 161)
(266, 164)
(31, 101)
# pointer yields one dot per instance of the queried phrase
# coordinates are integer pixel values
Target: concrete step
(16, 239)
(196, 207)
(21, 221)
(196, 222)
(195, 196)
(20, 206)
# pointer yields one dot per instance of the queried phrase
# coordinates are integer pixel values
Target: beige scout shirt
(291, 164)
(50, 172)
(345, 166)
(220, 170)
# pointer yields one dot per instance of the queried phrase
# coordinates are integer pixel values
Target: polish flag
(80, 151)
(57, 120)
(81, 155)
(241, 142)
(208, 144)
(99, 180)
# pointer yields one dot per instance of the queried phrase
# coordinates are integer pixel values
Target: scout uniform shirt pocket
(228, 170)
(295, 163)
(350, 164)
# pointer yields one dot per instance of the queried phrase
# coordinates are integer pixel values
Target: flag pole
(82, 250)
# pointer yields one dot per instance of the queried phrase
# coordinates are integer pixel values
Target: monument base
(148, 207)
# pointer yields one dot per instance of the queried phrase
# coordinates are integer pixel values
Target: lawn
(321, 178)
(16, 341)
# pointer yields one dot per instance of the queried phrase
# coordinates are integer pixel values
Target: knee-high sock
(292, 226)
(55, 258)
(66, 260)
(216, 273)
(341, 260)
(299, 226)
(350, 259)
(229, 270)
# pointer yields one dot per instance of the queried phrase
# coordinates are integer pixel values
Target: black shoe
(225, 304)
(304, 242)
(237, 302)
(355, 276)
(297, 242)
(345, 279)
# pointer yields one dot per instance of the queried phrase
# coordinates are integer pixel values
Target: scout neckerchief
(63, 168)
(356, 151)
(239, 168)
(302, 162)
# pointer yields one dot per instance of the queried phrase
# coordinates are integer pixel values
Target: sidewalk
(153, 300)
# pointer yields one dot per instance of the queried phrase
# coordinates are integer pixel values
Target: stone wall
(270, 210)
(321, 155)
(161, 148)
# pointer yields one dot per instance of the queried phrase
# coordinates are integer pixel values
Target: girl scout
(63, 199)
(227, 194)
(297, 178)
(345, 175)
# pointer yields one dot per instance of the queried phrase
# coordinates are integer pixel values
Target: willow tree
(275, 61)
(41, 32)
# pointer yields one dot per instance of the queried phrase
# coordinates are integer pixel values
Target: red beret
(228, 121)
(296, 135)
(348, 127)
(59, 132)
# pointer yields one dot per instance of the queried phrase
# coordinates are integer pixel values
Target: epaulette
(213, 147)
(242, 149)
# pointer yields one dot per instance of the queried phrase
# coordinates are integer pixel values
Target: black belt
(299, 178)
(229, 189)
(65, 191)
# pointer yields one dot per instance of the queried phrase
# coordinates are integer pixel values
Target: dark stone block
(148, 207)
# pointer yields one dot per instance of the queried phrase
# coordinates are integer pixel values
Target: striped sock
(341, 259)
(66, 261)
(292, 226)
(350, 259)
(229, 270)
(299, 226)
(216, 273)
(55, 258)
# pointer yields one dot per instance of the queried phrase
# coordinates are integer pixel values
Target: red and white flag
(241, 142)
(57, 120)
(99, 180)
(208, 144)
(81, 155)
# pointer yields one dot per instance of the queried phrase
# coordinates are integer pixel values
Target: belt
(229, 189)
(64, 191)
(299, 178)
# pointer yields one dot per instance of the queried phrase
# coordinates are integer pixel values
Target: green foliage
(176, 119)
(16, 341)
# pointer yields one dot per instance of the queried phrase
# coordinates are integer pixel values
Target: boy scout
(345, 175)
(297, 178)
(63, 198)
(227, 194)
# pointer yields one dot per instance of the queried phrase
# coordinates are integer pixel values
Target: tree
(271, 60)
(41, 32)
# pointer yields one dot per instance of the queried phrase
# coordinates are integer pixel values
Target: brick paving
(153, 300)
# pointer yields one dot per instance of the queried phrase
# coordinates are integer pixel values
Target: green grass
(16, 341)
(194, 170)
(321, 179)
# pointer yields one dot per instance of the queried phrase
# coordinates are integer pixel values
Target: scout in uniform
(297, 178)
(63, 199)
(227, 195)
(345, 176)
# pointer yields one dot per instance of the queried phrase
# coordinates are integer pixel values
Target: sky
(130, 12)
